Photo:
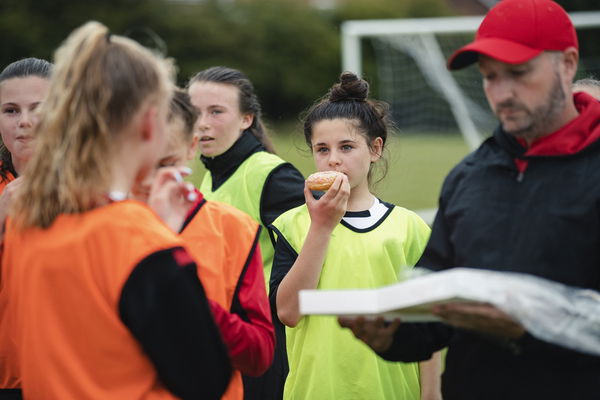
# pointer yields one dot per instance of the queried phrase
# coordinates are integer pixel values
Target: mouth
(24, 138)
(206, 138)
(509, 109)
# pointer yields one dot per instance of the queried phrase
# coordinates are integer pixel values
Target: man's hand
(377, 334)
(480, 317)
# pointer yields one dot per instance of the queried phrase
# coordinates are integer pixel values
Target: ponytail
(99, 82)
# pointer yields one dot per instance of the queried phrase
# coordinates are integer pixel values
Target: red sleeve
(248, 330)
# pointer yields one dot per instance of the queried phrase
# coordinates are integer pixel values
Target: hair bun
(350, 88)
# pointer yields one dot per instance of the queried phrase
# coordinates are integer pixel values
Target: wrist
(323, 230)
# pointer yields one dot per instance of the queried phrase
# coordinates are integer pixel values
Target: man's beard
(541, 118)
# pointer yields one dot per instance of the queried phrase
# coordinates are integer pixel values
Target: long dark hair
(249, 103)
(348, 99)
(20, 69)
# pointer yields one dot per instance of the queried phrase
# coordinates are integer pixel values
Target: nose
(500, 90)
(26, 120)
(202, 122)
(334, 159)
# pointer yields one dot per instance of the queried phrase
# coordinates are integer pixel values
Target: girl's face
(19, 98)
(220, 122)
(177, 153)
(337, 145)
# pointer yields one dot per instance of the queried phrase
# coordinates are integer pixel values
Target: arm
(283, 190)
(247, 329)
(430, 373)
(164, 306)
(325, 214)
(395, 341)
(438, 254)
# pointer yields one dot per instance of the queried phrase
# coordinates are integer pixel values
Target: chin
(211, 152)
(207, 151)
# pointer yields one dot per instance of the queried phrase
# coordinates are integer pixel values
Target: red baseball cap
(515, 31)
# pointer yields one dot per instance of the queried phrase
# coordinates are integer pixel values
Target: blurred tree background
(290, 49)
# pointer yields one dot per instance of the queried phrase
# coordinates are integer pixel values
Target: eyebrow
(340, 142)
(10, 103)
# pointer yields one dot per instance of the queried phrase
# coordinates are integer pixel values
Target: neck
(124, 171)
(19, 165)
(360, 198)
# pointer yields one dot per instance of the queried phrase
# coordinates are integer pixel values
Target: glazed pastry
(322, 180)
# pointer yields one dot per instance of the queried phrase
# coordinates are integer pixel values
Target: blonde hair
(99, 81)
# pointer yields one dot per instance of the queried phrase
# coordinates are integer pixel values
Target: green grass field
(417, 165)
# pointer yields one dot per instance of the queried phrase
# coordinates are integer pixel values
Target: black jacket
(284, 187)
(283, 190)
(544, 221)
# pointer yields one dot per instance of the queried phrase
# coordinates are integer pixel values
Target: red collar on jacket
(572, 137)
(194, 208)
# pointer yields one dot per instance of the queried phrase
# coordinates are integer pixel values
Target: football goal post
(410, 66)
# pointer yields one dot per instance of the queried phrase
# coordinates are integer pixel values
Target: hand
(7, 197)
(171, 197)
(480, 317)
(375, 333)
(328, 211)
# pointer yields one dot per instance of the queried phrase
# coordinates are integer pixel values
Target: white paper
(550, 311)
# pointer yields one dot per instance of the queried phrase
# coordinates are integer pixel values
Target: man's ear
(570, 61)
(148, 123)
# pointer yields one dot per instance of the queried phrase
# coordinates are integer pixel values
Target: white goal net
(410, 63)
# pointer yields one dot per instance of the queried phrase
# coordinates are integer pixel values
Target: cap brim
(499, 49)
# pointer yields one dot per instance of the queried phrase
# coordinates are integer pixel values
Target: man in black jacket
(528, 200)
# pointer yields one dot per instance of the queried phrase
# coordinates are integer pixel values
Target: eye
(488, 76)
(518, 72)
(347, 147)
(167, 163)
(10, 110)
(216, 112)
(322, 150)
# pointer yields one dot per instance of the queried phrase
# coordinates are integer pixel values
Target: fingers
(346, 322)
(174, 176)
(332, 191)
(308, 196)
(172, 173)
(337, 187)
(393, 326)
(377, 334)
(480, 317)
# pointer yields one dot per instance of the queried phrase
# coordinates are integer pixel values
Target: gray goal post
(418, 38)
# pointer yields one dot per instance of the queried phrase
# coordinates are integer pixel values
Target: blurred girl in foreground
(103, 300)
(224, 241)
